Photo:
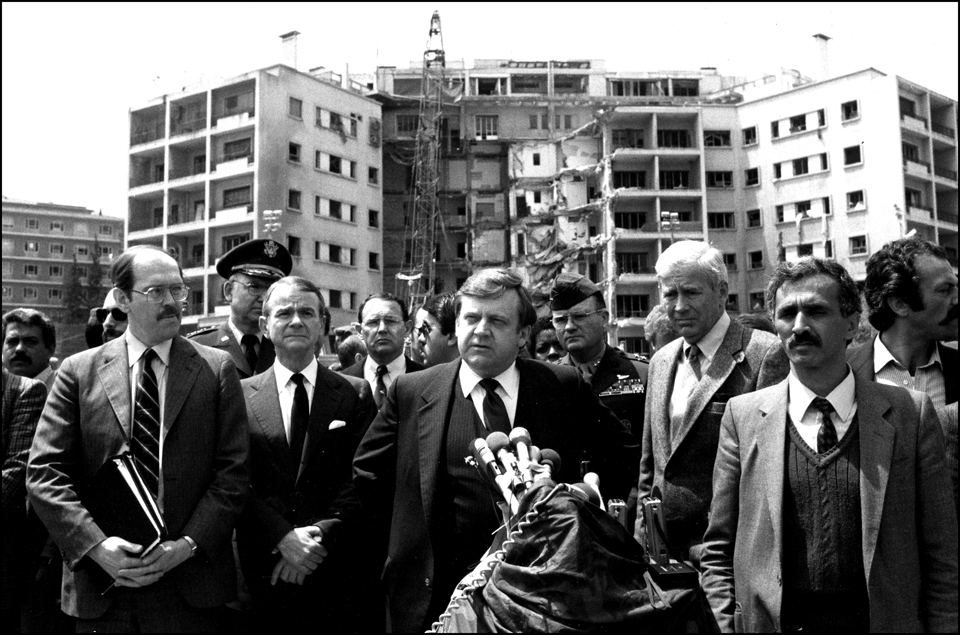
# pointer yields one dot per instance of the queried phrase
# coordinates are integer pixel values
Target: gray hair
(692, 253)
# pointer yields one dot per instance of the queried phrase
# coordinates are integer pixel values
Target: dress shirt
(135, 351)
(47, 375)
(685, 380)
(509, 389)
(806, 418)
(928, 379)
(239, 336)
(286, 389)
(394, 369)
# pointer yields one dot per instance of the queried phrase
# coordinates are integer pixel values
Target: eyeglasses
(391, 323)
(253, 290)
(425, 329)
(117, 314)
(560, 321)
(156, 295)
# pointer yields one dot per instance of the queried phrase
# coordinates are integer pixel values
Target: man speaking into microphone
(410, 465)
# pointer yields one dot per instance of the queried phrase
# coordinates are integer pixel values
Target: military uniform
(222, 337)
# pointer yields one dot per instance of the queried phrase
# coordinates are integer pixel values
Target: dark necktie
(249, 344)
(693, 356)
(299, 418)
(146, 424)
(587, 371)
(494, 412)
(827, 436)
(381, 391)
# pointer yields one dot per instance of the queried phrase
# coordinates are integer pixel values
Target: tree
(95, 278)
(73, 295)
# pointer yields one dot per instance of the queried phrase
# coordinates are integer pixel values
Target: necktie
(693, 356)
(587, 371)
(494, 412)
(299, 418)
(146, 424)
(827, 435)
(249, 344)
(381, 391)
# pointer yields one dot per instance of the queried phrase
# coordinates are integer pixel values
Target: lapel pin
(224, 338)
(739, 357)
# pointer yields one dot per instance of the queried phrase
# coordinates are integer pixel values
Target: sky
(71, 72)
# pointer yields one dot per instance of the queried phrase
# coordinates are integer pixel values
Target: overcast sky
(71, 72)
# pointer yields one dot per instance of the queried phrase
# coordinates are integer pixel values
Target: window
(236, 149)
(31, 270)
(487, 126)
(56, 271)
(630, 179)
(855, 201)
(910, 152)
(852, 155)
(720, 220)
(908, 107)
(775, 129)
(733, 302)
(533, 121)
(850, 110)
(779, 211)
(56, 248)
(568, 122)
(629, 220)
(914, 197)
(633, 263)
(730, 261)
(373, 176)
(29, 293)
(373, 217)
(229, 242)
(751, 176)
(106, 230)
(293, 199)
(231, 102)
(55, 294)
(537, 198)
(293, 245)
(56, 226)
(756, 259)
(199, 164)
(674, 179)
(352, 171)
(461, 250)
(858, 245)
(801, 166)
(296, 108)
(802, 209)
(750, 136)
(777, 171)
(825, 205)
(8, 292)
(673, 139)
(632, 305)
(719, 179)
(33, 223)
(828, 249)
(293, 154)
(335, 253)
(798, 123)
(336, 122)
(627, 138)
(236, 197)
(536, 158)
(804, 250)
(407, 125)
(336, 164)
(336, 209)
(374, 261)
(821, 118)
(31, 246)
(756, 301)
(754, 219)
(716, 138)
(336, 299)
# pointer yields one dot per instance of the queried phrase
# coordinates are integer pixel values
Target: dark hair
(492, 283)
(892, 273)
(757, 322)
(348, 349)
(848, 293)
(294, 282)
(32, 317)
(388, 297)
(440, 306)
(121, 273)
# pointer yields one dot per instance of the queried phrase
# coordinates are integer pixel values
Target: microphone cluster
(510, 465)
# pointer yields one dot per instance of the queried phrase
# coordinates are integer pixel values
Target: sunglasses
(117, 314)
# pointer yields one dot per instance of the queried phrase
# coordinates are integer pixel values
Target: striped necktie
(146, 424)
(827, 435)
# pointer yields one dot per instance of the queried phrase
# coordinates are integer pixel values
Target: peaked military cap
(570, 289)
(262, 258)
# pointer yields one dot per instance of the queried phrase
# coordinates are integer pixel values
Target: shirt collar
(136, 348)
(284, 374)
(509, 379)
(710, 343)
(394, 368)
(238, 334)
(843, 398)
(882, 356)
(44, 374)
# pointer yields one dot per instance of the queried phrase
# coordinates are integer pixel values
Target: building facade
(40, 242)
(274, 153)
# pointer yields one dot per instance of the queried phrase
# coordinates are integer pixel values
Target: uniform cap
(261, 258)
(570, 289)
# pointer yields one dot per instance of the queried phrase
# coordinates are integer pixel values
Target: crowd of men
(812, 484)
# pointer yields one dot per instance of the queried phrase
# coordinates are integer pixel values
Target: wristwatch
(193, 545)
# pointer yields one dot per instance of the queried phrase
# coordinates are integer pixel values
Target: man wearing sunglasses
(114, 320)
(249, 269)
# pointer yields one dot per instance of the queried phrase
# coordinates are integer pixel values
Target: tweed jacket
(909, 525)
(222, 337)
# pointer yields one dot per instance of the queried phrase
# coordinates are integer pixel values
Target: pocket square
(339, 423)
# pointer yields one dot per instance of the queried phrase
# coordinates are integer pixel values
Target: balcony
(947, 217)
(919, 212)
(146, 133)
(233, 215)
(945, 173)
(189, 126)
(234, 120)
(230, 165)
(913, 122)
(944, 131)
(916, 167)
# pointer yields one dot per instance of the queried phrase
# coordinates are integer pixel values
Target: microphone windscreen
(498, 441)
(551, 458)
(591, 494)
(520, 435)
(476, 448)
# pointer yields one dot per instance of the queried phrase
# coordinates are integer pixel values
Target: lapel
(771, 443)
(114, 374)
(181, 376)
(730, 351)
(861, 359)
(326, 403)
(877, 436)
(232, 346)
(264, 402)
(664, 365)
(605, 374)
(433, 405)
(948, 360)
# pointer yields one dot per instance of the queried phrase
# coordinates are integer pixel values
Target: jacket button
(426, 582)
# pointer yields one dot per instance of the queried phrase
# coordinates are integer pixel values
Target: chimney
(290, 48)
(823, 45)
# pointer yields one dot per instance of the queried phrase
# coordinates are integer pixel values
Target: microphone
(534, 454)
(520, 439)
(500, 445)
(586, 491)
(491, 470)
(550, 461)
(592, 481)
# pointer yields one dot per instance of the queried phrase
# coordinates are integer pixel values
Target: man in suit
(22, 402)
(435, 330)
(178, 407)
(691, 380)
(29, 341)
(410, 465)
(831, 508)
(297, 536)
(248, 269)
(384, 325)
(112, 317)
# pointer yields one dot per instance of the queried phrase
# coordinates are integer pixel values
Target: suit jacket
(679, 462)
(397, 464)
(357, 369)
(22, 402)
(860, 359)
(222, 338)
(205, 475)
(317, 491)
(909, 525)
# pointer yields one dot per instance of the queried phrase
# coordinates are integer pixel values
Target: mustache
(803, 338)
(21, 357)
(951, 315)
(169, 312)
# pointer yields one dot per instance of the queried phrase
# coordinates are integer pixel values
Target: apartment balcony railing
(916, 164)
(915, 118)
(185, 172)
(945, 173)
(146, 133)
(194, 124)
(944, 130)
(948, 217)
(917, 206)
(137, 181)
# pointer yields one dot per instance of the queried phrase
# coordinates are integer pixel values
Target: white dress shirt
(286, 389)
(686, 380)
(806, 418)
(394, 369)
(509, 389)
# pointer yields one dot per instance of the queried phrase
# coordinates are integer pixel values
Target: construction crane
(416, 280)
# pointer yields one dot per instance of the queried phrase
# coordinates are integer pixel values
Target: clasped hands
(118, 558)
(302, 552)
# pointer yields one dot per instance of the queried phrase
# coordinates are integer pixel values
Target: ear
(852, 324)
(524, 335)
(724, 290)
(452, 340)
(898, 306)
(228, 291)
(358, 328)
(357, 357)
(123, 300)
(263, 326)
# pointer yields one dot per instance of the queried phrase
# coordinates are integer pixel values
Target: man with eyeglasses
(177, 406)
(384, 325)
(580, 318)
(249, 269)
(113, 318)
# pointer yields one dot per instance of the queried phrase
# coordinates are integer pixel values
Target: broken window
(627, 138)
(629, 179)
(716, 138)
(719, 179)
(487, 126)
(798, 123)
(721, 220)
(488, 86)
(855, 201)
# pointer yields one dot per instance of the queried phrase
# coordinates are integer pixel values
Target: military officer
(249, 269)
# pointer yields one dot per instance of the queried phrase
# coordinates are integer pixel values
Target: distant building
(274, 152)
(39, 243)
